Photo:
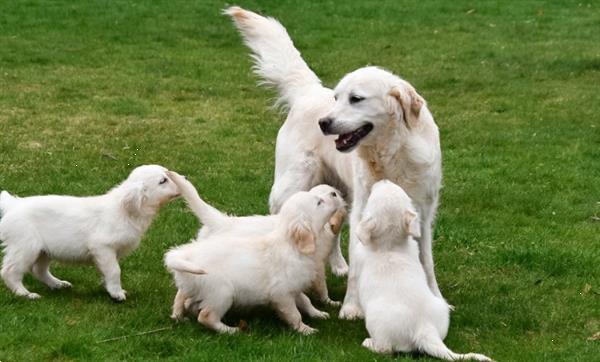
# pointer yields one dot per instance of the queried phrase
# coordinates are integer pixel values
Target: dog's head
(303, 215)
(327, 192)
(148, 188)
(388, 218)
(369, 102)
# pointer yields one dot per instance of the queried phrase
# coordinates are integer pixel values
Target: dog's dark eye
(164, 180)
(335, 97)
(319, 203)
(355, 99)
(333, 194)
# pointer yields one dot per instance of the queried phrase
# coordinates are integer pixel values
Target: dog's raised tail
(174, 261)
(276, 58)
(7, 201)
(430, 343)
(206, 214)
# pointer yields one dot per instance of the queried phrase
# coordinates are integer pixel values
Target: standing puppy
(214, 222)
(99, 229)
(401, 312)
(222, 271)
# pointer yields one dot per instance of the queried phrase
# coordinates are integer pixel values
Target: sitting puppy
(222, 271)
(217, 223)
(402, 314)
(99, 229)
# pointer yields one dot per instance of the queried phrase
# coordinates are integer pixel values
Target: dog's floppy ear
(303, 237)
(135, 196)
(365, 230)
(337, 220)
(411, 103)
(410, 221)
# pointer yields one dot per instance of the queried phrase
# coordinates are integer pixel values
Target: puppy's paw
(33, 296)
(333, 303)
(119, 296)
(178, 317)
(228, 330)
(351, 312)
(320, 315)
(370, 344)
(339, 270)
(61, 284)
(306, 330)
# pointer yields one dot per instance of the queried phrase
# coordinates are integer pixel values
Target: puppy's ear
(303, 237)
(337, 220)
(135, 197)
(410, 221)
(365, 230)
(410, 102)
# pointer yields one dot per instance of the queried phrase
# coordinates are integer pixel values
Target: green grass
(88, 90)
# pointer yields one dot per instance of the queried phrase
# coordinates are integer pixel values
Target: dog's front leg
(106, 261)
(287, 310)
(319, 285)
(337, 262)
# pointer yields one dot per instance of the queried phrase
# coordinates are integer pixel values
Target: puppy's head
(148, 188)
(369, 102)
(327, 192)
(303, 215)
(388, 218)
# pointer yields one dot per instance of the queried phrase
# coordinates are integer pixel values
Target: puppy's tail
(206, 214)
(7, 201)
(276, 59)
(429, 342)
(175, 262)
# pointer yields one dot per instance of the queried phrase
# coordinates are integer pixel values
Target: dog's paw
(33, 296)
(370, 344)
(178, 317)
(351, 312)
(228, 330)
(119, 296)
(339, 270)
(306, 330)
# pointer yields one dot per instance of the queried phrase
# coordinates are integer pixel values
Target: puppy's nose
(325, 123)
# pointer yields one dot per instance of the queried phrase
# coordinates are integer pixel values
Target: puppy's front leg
(178, 306)
(107, 263)
(305, 306)
(287, 310)
(320, 286)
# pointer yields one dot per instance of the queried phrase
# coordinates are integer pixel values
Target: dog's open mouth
(347, 141)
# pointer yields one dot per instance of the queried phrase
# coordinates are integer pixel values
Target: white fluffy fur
(402, 314)
(403, 145)
(99, 229)
(221, 271)
(217, 223)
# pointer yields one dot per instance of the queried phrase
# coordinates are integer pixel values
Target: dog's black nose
(325, 123)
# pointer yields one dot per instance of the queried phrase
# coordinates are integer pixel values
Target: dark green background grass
(88, 90)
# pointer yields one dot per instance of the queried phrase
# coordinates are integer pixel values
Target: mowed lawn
(91, 89)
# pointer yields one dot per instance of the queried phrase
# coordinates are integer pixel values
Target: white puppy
(401, 313)
(217, 223)
(99, 229)
(223, 271)
(372, 111)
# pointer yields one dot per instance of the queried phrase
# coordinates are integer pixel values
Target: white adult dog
(99, 229)
(372, 111)
(401, 313)
(214, 222)
(222, 271)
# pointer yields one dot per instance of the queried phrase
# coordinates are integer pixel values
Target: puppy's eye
(319, 202)
(333, 194)
(335, 97)
(163, 181)
(355, 99)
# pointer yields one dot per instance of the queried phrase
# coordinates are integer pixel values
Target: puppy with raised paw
(273, 268)
(99, 229)
(402, 314)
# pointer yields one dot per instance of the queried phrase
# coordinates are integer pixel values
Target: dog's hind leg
(178, 306)
(14, 266)
(429, 342)
(214, 307)
(302, 175)
(42, 272)
(426, 257)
